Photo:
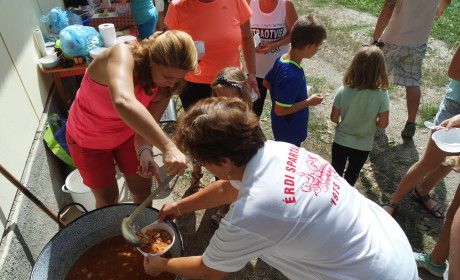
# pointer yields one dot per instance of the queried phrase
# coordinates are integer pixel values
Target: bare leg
(454, 269)
(196, 183)
(430, 161)
(431, 181)
(107, 195)
(139, 187)
(441, 249)
(413, 95)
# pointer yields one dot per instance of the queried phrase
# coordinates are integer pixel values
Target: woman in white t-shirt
(288, 207)
(272, 20)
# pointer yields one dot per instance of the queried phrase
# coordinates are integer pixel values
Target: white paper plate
(447, 140)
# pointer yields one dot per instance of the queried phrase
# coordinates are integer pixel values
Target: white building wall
(23, 88)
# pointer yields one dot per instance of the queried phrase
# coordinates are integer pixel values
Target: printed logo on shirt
(319, 177)
(291, 167)
(268, 33)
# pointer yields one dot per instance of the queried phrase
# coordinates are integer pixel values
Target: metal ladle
(128, 230)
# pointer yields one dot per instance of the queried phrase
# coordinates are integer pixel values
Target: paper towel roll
(159, 5)
(108, 34)
(106, 4)
(38, 36)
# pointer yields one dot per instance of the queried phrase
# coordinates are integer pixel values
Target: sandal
(436, 209)
(392, 205)
(196, 184)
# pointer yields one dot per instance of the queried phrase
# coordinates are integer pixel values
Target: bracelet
(143, 148)
(178, 209)
(377, 43)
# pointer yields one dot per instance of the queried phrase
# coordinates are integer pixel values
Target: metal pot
(63, 250)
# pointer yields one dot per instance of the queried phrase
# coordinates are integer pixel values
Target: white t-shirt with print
(299, 216)
(271, 27)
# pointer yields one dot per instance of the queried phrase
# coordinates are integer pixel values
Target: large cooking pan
(58, 256)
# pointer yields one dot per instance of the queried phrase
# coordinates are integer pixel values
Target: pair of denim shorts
(447, 110)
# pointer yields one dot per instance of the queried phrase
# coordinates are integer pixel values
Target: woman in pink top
(115, 113)
(223, 26)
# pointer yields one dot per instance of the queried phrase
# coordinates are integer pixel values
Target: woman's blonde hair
(172, 48)
(233, 77)
(367, 70)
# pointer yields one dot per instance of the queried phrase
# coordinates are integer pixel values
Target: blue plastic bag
(79, 40)
(59, 19)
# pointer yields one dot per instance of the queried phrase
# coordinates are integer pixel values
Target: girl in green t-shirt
(360, 106)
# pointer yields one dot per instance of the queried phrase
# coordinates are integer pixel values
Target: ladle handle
(30, 195)
(150, 198)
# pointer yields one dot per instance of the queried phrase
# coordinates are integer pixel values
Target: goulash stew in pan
(112, 259)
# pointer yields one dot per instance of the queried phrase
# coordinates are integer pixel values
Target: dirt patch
(390, 158)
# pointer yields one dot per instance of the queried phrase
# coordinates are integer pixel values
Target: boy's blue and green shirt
(288, 86)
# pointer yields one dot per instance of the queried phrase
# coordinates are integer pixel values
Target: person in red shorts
(114, 116)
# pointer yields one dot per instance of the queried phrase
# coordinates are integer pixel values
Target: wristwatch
(373, 42)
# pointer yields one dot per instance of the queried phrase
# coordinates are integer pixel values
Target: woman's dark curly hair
(219, 127)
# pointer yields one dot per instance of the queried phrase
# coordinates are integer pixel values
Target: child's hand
(452, 122)
(315, 99)
(265, 48)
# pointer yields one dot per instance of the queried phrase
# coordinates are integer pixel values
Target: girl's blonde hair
(172, 48)
(367, 70)
(233, 77)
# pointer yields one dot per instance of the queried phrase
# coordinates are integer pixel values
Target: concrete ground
(29, 228)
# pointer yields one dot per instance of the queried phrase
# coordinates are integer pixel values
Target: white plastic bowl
(163, 226)
(49, 61)
(97, 51)
(447, 140)
(126, 38)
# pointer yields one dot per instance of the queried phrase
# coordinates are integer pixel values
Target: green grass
(427, 112)
(435, 76)
(372, 6)
(349, 28)
(319, 85)
(319, 139)
(444, 28)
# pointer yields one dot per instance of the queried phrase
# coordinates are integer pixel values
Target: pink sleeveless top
(93, 121)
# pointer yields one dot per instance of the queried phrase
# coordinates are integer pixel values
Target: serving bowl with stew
(158, 239)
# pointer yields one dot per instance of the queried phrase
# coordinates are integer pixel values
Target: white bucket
(80, 192)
